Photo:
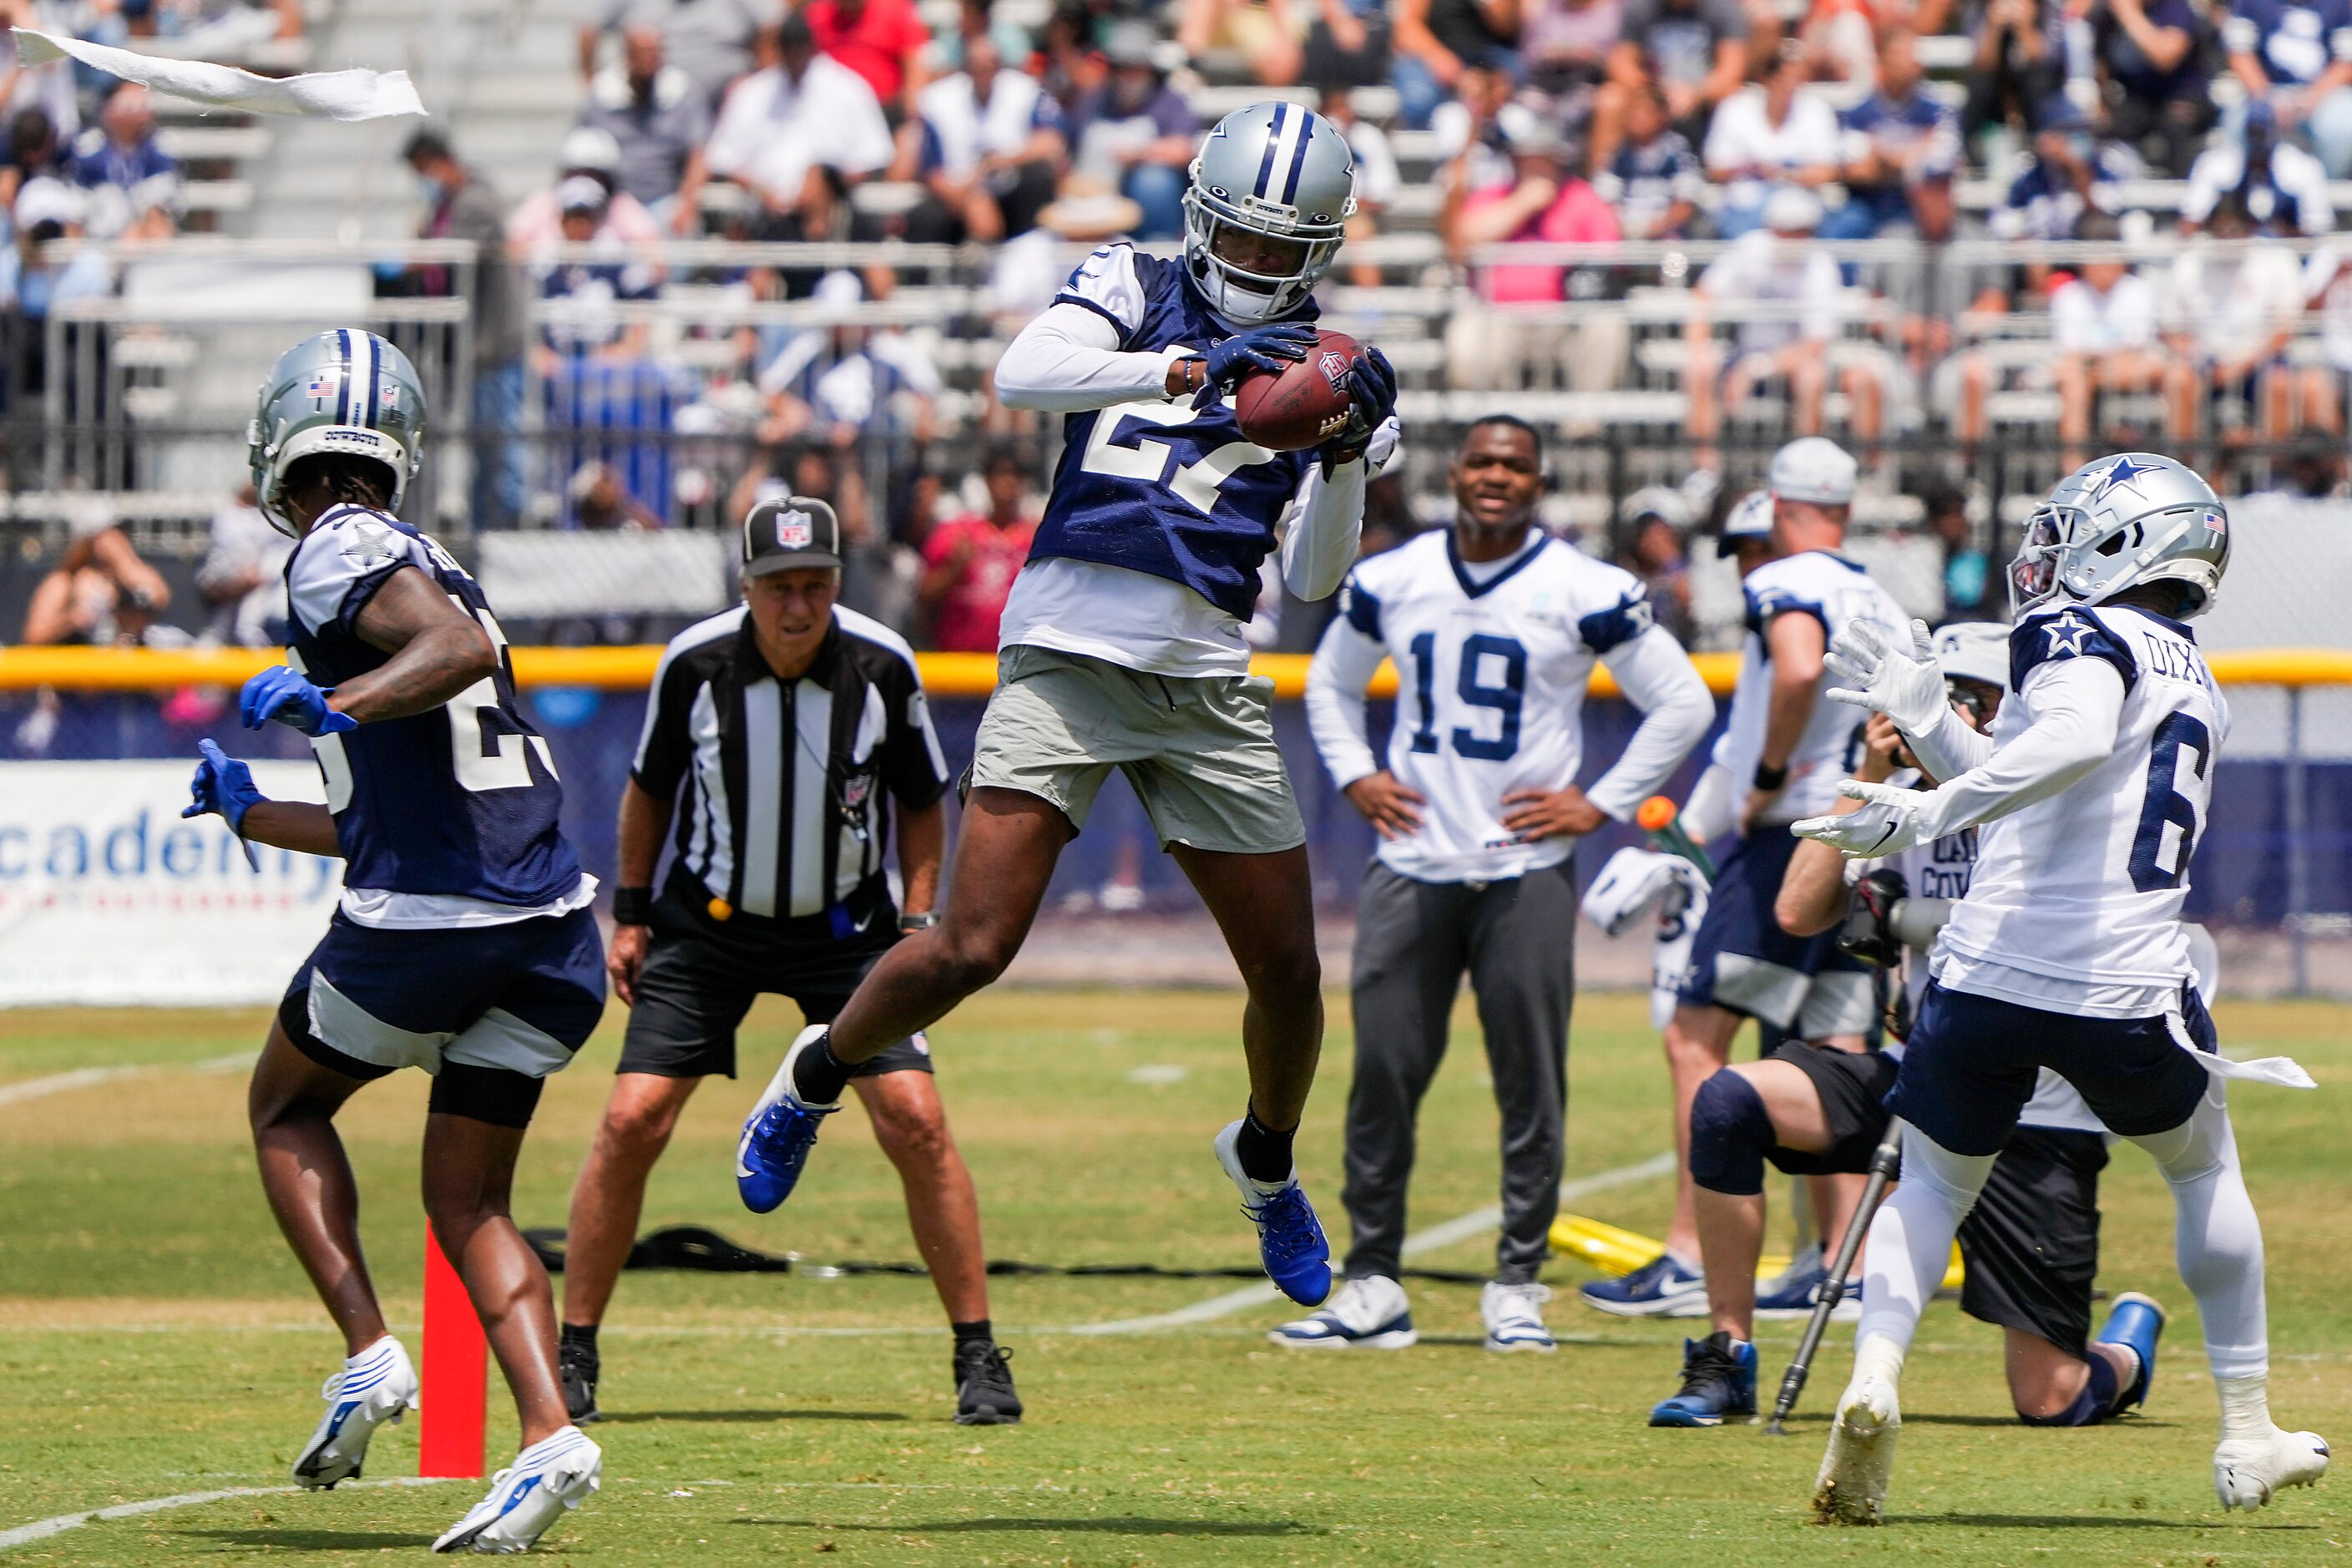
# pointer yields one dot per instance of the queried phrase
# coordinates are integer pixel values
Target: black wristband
(1770, 779)
(632, 906)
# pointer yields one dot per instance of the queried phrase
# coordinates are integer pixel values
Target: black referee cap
(798, 531)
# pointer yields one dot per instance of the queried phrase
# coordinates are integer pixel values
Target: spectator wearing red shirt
(882, 40)
(968, 563)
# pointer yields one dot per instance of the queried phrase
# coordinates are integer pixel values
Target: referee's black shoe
(984, 1395)
(579, 1366)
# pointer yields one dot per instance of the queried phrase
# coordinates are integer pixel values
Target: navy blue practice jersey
(461, 799)
(1161, 487)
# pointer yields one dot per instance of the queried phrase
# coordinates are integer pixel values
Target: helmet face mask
(1272, 192)
(347, 393)
(2119, 522)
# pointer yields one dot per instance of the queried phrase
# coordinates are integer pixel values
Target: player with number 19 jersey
(447, 816)
(2076, 905)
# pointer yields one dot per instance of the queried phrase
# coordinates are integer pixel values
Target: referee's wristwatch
(924, 921)
(632, 906)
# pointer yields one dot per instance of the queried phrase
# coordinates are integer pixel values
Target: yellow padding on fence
(1615, 1250)
(945, 674)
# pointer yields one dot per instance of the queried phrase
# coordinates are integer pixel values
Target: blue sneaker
(2135, 1322)
(1370, 1313)
(1719, 1379)
(1662, 1288)
(1799, 1290)
(779, 1134)
(1289, 1238)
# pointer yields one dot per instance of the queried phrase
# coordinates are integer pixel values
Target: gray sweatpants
(1414, 941)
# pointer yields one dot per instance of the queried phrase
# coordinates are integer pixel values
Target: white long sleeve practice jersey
(1492, 661)
(1833, 591)
(2076, 905)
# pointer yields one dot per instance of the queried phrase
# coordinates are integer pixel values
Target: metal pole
(2298, 859)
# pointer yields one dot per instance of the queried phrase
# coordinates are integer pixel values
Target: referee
(784, 720)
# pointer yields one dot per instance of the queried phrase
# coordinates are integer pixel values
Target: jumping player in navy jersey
(1121, 646)
(464, 943)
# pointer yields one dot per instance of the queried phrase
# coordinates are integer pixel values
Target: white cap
(1662, 501)
(1814, 469)
(1974, 650)
(581, 194)
(838, 288)
(1751, 517)
(590, 147)
(1792, 209)
(46, 199)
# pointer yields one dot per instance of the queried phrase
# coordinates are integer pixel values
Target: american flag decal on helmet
(2219, 521)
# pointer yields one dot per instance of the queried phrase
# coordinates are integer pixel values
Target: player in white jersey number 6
(2068, 951)
(464, 943)
(1121, 646)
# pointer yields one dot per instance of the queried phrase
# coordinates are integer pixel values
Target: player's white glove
(1889, 822)
(1630, 882)
(1905, 684)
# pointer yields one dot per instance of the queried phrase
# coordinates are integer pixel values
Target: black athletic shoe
(579, 1366)
(984, 1395)
(1719, 1379)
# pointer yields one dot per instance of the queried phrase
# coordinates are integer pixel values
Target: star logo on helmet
(2067, 634)
(2121, 472)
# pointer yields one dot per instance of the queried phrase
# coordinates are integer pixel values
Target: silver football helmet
(344, 391)
(2118, 522)
(1272, 192)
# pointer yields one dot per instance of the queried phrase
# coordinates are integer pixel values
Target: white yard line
(85, 1077)
(1475, 1223)
(42, 1529)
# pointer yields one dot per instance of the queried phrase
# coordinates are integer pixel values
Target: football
(1302, 405)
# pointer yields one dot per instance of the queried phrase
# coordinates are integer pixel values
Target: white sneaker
(1514, 1315)
(552, 1475)
(376, 1386)
(1370, 1313)
(1861, 1456)
(2249, 1471)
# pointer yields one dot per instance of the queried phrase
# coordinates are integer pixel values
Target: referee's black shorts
(701, 975)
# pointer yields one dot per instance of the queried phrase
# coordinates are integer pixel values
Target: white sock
(2217, 1240)
(1878, 1355)
(1910, 1240)
(2245, 1406)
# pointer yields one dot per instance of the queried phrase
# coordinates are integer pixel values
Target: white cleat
(376, 1386)
(550, 1476)
(2249, 1471)
(1514, 1315)
(1368, 1313)
(1861, 1456)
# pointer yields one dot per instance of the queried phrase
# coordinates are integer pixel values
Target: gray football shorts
(1199, 751)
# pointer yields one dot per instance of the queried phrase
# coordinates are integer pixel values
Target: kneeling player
(2068, 952)
(464, 943)
(2031, 1246)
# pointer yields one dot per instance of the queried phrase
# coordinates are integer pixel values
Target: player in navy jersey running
(464, 943)
(1121, 646)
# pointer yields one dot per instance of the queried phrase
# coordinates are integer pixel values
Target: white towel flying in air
(317, 95)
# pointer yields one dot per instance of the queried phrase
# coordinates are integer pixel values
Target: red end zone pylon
(456, 1360)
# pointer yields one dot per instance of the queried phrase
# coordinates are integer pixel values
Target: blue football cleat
(779, 1134)
(1798, 1291)
(1719, 1379)
(1289, 1238)
(2136, 1323)
(1661, 1288)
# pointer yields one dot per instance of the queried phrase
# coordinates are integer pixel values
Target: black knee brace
(1729, 1132)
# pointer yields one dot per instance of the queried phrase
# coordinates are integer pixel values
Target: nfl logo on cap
(794, 530)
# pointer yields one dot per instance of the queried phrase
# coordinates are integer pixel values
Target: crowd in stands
(1776, 133)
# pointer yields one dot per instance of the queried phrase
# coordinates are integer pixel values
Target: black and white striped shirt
(781, 814)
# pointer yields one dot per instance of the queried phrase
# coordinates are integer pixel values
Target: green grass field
(157, 1339)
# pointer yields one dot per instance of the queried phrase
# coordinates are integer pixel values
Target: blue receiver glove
(1372, 399)
(1265, 347)
(224, 786)
(284, 694)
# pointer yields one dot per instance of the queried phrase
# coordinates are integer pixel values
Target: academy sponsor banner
(108, 897)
